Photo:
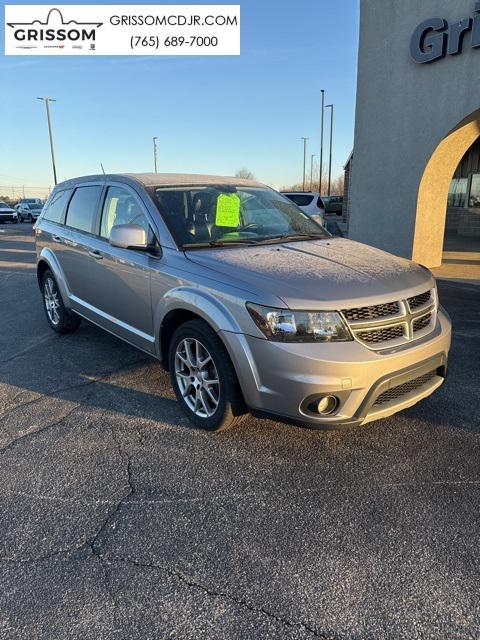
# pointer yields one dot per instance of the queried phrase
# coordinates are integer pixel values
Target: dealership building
(414, 176)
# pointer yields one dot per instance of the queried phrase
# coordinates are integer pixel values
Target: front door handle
(56, 239)
(95, 254)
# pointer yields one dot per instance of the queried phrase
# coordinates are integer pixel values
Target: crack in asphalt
(125, 456)
(28, 434)
(220, 594)
(89, 543)
(59, 390)
(92, 545)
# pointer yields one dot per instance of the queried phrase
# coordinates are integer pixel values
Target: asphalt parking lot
(118, 520)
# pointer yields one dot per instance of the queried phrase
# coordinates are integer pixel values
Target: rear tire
(198, 358)
(59, 318)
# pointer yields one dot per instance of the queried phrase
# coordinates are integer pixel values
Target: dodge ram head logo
(55, 33)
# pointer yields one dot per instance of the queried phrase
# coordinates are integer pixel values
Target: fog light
(327, 405)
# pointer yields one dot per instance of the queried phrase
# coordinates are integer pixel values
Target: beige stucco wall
(404, 112)
(433, 191)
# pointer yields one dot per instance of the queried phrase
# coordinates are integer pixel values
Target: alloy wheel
(197, 377)
(52, 301)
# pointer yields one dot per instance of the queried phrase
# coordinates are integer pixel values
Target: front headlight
(285, 325)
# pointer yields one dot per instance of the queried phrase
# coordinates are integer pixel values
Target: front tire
(204, 379)
(59, 318)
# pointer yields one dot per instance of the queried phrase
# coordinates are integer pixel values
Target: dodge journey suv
(248, 303)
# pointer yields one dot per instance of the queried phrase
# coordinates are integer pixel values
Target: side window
(121, 207)
(54, 211)
(83, 208)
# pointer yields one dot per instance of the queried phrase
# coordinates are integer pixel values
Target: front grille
(421, 323)
(418, 301)
(402, 389)
(374, 336)
(370, 313)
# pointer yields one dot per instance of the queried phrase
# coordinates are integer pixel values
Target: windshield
(211, 215)
(4, 205)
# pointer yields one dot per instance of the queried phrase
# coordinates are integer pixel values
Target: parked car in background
(248, 302)
(333, 204)
(29, 209)
(310, 202)
(7, 213)
(30, 201)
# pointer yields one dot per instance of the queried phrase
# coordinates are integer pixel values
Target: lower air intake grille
(403, 389)
(374, 336)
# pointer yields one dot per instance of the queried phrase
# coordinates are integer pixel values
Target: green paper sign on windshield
(228, 210)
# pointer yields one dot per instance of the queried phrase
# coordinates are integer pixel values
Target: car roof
(164, 179)
(301, 193)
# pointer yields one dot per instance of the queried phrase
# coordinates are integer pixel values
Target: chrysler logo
(55, 31)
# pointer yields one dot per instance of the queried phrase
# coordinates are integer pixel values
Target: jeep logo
(435, 38)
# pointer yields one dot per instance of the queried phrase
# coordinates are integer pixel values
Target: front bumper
(277, 378)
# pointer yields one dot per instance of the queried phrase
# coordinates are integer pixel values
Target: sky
(211, 114)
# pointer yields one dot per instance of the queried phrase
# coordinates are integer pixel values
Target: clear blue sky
(211, 114)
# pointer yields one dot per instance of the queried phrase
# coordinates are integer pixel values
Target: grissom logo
(55, 32)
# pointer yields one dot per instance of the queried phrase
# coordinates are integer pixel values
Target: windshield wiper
(287, 237)
(217, 243)
(284, 237)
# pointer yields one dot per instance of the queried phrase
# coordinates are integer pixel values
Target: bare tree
(336, 188)
(245, 173)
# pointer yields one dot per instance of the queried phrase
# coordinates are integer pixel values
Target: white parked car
(29, 209)
(7, 214)
(310, 202)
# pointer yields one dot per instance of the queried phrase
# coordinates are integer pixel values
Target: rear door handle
(95, 254)
(57, 239)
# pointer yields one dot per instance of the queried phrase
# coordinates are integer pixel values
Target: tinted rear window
(56, 207)
(300, 199)
(83, 208)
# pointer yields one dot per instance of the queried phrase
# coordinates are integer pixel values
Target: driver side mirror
(129, 236)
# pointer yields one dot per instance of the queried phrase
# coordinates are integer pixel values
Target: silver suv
(247, 302)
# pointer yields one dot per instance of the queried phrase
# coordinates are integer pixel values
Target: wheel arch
(48, 260)
(183, 304)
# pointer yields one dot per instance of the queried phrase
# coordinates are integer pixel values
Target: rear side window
(56, 207)
(83, 208)
(300, 199)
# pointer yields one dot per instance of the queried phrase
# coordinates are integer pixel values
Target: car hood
(330, 273)
(6, 210)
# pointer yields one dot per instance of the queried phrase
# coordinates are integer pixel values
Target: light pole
(155, 153)
(304, 159)
(330, 106)
(322, 124)
(47, 101)
(314, 155)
